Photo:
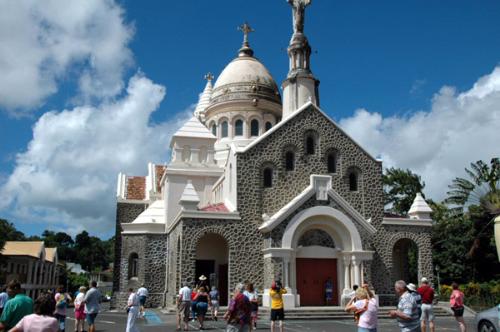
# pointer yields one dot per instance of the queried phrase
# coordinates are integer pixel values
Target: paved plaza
(157, 321)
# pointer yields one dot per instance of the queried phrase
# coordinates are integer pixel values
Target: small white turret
(420, 209)
(189, 199)
(204, 99)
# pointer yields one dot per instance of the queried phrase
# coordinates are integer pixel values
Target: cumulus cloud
(459, 128)
(46, 42)
(67, 176)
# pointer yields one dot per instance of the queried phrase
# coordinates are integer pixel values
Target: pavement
(156, 321)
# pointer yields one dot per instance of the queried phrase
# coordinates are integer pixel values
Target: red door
(312, 275)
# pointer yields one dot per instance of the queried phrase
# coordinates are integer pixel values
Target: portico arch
(343, 261)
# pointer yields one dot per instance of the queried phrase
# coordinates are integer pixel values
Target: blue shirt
(408, 306)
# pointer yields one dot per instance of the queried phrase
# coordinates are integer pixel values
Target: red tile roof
(160, 170)
(136, 187)
(219, 207)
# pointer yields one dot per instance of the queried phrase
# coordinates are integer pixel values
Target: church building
(262, 185)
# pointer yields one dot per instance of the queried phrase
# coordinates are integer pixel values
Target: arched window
(353, 181)
(224, 129)
(238, 128)
(289, 161)
(268, 177)
(310, 144)
(133, 265)
(332, 162)
(214, 129)
(269, 125)
(254, 128)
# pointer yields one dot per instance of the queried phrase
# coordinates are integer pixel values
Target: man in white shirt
(4, 297)
(183, 306)
(142, 293)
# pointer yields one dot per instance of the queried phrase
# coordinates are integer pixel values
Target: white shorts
(427, 313)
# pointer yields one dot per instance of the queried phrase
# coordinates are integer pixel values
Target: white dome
(245, 69)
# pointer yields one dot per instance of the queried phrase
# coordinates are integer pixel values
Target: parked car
(487, 320)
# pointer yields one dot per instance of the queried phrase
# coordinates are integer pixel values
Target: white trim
(318, 183)
(318, 252)
(290, 234)
(407, 222)
(278, 252)
(204, 172)
(292, 115)
(203, 215)
(143, 228)
(133, 201)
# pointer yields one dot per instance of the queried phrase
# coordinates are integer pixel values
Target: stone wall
(125, 213)
(244, 242)
(152, 257)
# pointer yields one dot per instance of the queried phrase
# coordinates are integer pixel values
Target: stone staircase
(328, 313)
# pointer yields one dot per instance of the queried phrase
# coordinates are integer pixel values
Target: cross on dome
(208, 76)
(245, 50)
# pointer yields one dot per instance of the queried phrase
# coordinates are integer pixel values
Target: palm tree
(483, 187)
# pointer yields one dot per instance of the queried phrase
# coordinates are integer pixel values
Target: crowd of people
(242, 311)
(19, 313)
(47, 313)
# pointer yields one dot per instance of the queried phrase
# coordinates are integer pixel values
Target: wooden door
(312, 275)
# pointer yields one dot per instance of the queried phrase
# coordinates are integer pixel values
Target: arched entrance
(324, 243)
(212, 261)
(405, 260)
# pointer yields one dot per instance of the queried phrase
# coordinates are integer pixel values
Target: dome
(245, 79)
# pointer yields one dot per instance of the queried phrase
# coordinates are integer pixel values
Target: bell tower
(300, 86)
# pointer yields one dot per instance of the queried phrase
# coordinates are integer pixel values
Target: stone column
(286, 272)
(347, 284)
(356, 267)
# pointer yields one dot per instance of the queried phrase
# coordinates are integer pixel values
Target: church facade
(262, 187)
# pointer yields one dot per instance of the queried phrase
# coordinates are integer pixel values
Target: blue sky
(389, 71)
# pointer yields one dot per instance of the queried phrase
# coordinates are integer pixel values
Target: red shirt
(427, 294)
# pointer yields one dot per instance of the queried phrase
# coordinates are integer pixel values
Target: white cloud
(45, 42)
(67, 176)
(439, 143)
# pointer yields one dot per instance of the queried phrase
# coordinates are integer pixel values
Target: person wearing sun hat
(427, 294)
(418, 299)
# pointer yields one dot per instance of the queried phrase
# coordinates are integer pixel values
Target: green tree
(63, 242)
(400, 188)
(482, 188)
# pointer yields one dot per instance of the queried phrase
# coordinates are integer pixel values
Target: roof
(136, 187)
(194, 128)
(50, 254)
(219, 207)
(304, 107)
(23, 248)
(155, 213)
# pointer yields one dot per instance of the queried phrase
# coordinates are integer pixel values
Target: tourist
(184, 299)
(92, 302)
(238, 314)
(365, 310)
(18, 306)
(328, 291)
(214, 301)
(80, 309)
(407, 312)
(253, 297)
(4, 297)
(201, 305)
(277, 307)
(42, 320)
(62, 300)
(457, 305)
(418, 298)
(133, 304)
(427, 294)
(142, 293)
(194, 303)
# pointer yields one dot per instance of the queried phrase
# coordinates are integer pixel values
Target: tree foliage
(482, 188)
(89, 251)
(400, 188)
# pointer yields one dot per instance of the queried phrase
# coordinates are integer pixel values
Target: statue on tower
(298, 7)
